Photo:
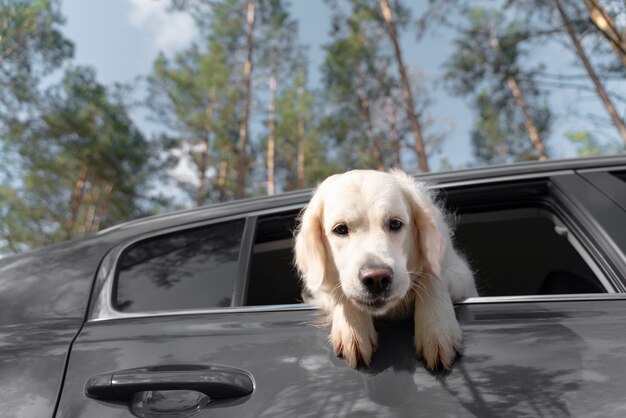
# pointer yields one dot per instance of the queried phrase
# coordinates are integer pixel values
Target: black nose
(376, 278)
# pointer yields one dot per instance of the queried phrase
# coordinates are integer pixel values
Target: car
(199, 313)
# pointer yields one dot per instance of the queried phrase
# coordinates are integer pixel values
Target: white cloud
(170, 30)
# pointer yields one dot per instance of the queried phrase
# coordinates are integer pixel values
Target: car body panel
(32, 364)
(520, 359)
(43, 298)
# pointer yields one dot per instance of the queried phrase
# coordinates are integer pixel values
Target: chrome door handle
(217, 382)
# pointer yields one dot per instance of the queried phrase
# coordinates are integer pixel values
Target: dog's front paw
(353, 337)
(438, 345)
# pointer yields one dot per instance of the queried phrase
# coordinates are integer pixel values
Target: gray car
(198, 313)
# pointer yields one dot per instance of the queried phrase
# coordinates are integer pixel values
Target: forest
(245, 111)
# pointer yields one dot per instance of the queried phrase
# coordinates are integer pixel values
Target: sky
(121, 39)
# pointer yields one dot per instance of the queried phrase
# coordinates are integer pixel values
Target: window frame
(551, 197)
(178, 231)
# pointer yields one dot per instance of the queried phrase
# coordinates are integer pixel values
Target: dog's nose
(376, 278)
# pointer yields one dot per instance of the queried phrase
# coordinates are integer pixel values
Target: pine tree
(85, 165)
(486, 65)
(618, 121)
(353, 71)
(196, 97)
(416, 126)
(279, 54)
(31, 47)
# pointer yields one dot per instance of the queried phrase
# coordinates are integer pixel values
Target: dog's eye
(395, 225)
(341, 229)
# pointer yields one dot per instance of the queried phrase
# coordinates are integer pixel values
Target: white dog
(372, 244)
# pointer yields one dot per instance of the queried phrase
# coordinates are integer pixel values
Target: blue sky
(121, 39)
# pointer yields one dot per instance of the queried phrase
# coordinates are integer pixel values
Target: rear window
(193, 269)
(620, 175)
(523, 252)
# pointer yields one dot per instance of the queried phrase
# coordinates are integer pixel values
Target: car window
(517, 252)
(273, 252)
(523, 251)
(620, 175)
(191, 269)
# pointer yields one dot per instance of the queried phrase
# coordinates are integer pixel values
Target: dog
(374, 244)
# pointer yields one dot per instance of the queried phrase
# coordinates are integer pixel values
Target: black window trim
(102, 307)
(240, 291)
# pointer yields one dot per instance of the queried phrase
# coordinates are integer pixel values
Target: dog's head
(370, 235)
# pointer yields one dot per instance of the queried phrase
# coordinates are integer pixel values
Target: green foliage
(296, 120)
(587, 145)
(196, 96)
(85, 164)
(488, 56)
(357, 81)
(499, 135)
(31, 46)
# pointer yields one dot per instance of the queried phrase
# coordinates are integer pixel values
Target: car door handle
(217, 382)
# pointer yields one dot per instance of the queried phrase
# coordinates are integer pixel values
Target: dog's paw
(354, 339)
(438, 346)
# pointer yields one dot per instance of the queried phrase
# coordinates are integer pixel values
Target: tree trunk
(104, 207)
(604, 97)
(529, 122)
(10, 243)
(300, 158)
(75, 203)
(271, 140)
(406, 88)
(364, 107)
(202, 169)
(221, 179)
(204, 157)
(393, 131)
(245, 112)
(533, 132)
(605, 24)
(90, 217)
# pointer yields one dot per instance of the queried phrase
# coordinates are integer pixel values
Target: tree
(486, 64)
(499, 132)
(31, 47)
(406, 87)
(608, 28)
(85, 165)
(244, 127)
(356, 80)
(196, 97)
(582, 55)
(587, 145)
(303, 161)
(279, 54)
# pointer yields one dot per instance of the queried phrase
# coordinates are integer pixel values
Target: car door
(147, 350)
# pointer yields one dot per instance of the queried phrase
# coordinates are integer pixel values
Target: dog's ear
(428, 224)
(310, 251)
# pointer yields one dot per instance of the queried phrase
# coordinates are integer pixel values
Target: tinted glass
(620, 175)
(186, 270)
(519, 252)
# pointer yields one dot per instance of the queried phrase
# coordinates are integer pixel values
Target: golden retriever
(375, 244)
